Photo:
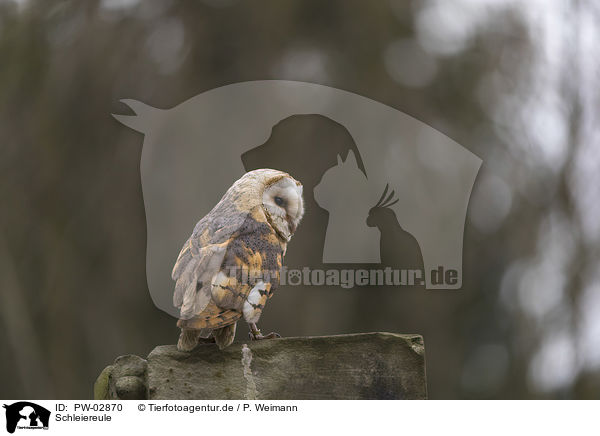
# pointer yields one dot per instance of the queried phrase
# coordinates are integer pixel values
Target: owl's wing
(192, 273)
(233, 294)
(201, 257)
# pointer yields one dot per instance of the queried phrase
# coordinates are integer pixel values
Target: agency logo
(26, 415)
(386, 195)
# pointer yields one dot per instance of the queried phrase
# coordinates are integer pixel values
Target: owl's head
(283, 204)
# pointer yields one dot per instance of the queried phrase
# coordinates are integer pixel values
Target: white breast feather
(250, 314)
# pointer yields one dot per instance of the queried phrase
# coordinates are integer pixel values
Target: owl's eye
(279, 201)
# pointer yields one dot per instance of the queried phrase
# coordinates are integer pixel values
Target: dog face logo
(346, 150)
(26, 415)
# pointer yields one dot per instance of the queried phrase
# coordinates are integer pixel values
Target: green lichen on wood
(101, 386)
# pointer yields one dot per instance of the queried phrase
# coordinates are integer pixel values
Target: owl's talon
(256, 335)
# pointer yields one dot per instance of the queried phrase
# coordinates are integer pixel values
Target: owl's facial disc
(284, 206)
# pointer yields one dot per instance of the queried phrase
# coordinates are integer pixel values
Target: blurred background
(515, 82)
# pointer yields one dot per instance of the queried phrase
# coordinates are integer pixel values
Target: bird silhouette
(398, 248)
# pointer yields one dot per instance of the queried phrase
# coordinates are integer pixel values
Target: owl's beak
(291, 224)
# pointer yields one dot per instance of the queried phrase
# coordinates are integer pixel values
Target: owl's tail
(224, 336)
(220, 322)
(188, 339)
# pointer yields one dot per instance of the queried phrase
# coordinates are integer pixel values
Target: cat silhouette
(345, 193)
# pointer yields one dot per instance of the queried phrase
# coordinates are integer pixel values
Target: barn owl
(230, 265)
